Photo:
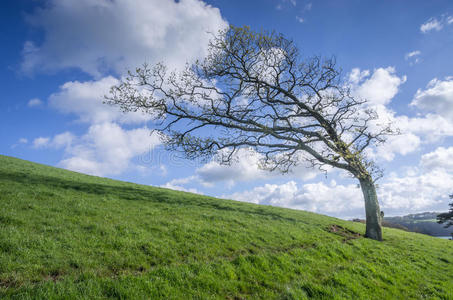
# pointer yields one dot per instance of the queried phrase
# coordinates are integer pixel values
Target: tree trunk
(372, 210)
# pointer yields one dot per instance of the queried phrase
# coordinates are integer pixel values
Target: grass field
(68, 235)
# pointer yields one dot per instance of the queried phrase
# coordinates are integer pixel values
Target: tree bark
(372, 210)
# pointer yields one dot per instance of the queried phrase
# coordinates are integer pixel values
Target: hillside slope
(68, 235)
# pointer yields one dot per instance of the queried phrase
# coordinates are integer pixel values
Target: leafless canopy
(255, 90)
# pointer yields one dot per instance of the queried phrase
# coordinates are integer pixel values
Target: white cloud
(170, 186)
(439, 159)
(106, 149)
(305, 9)
(63, 140)
(412, 54)
(431, 24)
(34, 102)
(245, 167)
(85, 99)
(435, 104)
(437, 97)
(436, 24)
(416, 192)
(282, 4)
(379, 88)
(398, 144)
(413, 57)
(21, 141)
(163, 169)
(422, 188)
(356, 76)
(414, 133)
(102, 36)
(332, 199)
(176, 184)
(450, 20)
(41, 142)
(430, 127)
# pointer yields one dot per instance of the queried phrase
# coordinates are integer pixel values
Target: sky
(58, 58)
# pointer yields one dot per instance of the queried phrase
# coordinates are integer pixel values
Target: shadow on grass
(159, 195)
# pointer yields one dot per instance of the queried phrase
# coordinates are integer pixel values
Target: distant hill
(65, 235)
(425, 223)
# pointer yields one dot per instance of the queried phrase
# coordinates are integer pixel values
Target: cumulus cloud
(245, 167)
(430, 127)
(416, 192)
(398, 144)
(332, 199)
(435, 110)
(437, 97)
(422, 188)
(40, 142)
(379, 88)
(427, 126)
(106, 149)
(85, 99)
(34, 102)
(107, 37)
(102, 36)
(414, 133)
(439, 159)
(177, 184)
(63, 140)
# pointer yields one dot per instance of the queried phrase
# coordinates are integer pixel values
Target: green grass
(68, 235)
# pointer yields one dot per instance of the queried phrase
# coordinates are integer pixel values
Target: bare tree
(255, 90)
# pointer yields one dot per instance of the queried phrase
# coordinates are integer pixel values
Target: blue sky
(58, 58)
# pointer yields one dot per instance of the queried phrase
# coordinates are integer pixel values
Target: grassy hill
(68, 235)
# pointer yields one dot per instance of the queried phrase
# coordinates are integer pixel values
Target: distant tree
(446, 218)
(255, 90)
